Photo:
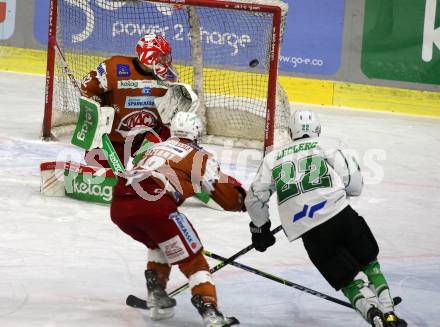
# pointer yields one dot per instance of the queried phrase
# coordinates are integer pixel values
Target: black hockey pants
(341, 247)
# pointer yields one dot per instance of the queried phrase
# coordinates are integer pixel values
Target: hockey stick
(225, 262)
(279, 280)
(397, 300)
(67, 70)
(136, 302)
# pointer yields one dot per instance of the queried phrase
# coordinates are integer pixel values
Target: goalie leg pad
(52, 178)
(87, 183)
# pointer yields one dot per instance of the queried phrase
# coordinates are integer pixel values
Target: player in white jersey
(312, 178)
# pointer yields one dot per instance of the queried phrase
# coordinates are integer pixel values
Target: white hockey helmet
(186, 125)
(304, 123)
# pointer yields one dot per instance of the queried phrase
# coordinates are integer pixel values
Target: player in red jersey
(130, 85)
(146, 208)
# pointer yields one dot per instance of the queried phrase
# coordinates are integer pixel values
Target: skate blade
(377, 322)
(229, 321)
(156, 313)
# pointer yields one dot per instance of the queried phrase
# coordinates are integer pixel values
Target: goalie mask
(304, 123)
(154, 52)
(186, 125)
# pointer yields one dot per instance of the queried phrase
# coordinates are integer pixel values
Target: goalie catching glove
(179, 97)
(262, 237)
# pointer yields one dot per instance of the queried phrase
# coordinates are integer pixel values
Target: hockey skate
(160, 303)
(375, 317)
(210, 314)
(391, 320)
(378, 319)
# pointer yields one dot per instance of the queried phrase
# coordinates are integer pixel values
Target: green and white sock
(361, 296)
(379, 286)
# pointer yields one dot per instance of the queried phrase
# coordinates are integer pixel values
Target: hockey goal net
(228, 52)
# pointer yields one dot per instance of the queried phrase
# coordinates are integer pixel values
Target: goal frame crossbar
(276, 11)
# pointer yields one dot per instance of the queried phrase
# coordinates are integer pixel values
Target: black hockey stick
(280, 280)
(225, 262)
(397, 300)
(136, 302)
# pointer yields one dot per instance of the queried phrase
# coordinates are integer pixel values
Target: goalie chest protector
(119, 82)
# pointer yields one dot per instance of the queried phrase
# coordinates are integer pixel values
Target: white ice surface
(63, 262)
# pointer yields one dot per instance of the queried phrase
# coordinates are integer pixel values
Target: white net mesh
(223, 53)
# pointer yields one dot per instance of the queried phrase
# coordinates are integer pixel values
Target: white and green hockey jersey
(311, 177)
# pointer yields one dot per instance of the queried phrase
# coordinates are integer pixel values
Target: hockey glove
(262, 238)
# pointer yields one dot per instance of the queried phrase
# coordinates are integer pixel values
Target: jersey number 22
(312, 174)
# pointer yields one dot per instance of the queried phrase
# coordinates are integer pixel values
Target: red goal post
(228, 51)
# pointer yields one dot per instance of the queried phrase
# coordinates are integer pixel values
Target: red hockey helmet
(154, 51)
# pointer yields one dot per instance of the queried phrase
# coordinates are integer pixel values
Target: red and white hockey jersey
(182, 168)
(121, 83)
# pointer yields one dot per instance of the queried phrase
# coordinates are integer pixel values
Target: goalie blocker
(94, 125)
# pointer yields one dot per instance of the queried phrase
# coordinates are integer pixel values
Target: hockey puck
(253, 63)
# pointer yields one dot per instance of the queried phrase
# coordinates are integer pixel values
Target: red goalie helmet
(154, 51)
